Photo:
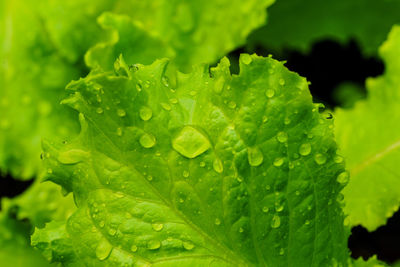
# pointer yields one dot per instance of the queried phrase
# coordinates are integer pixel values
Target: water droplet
(173, 100)
(119, 131)
(307, 222)
(101, 224)
(241, 230)
(190, 142)
(166, 106)
(121, 112)
(103, 250)
(268, 187)
(150, 178)
(188, 245)
(297, 192)
(305, 149)
(219, 85)
(49, 171)
(157, 226)
(165, 81)
(265, 209)
(320, 158)
(153, 244)
(338, 159)
(72, 156)
(264, 119)
(186, 174)
(246, 59)
(217, 221)
(291, 165)
(217, 165)
(343, 177)
(232, 104)
(147, 140)
(145, 113)
(138, 87)
(134, 248)
(99, 110)
(287, 121)
(282, 251)
(278, 162)
(270, 93)
(282, 82)
(282, 137)
(255, 156)
(279, 207)
(276, 221)
(202, 164)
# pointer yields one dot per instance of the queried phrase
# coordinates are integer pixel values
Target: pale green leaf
(369, 138)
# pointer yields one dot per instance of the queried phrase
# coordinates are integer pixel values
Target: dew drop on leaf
(320, 158)
(217, 165)
(282, 82)
(276, 221)
(72, 156)
(99, 110)
(103, 250)
(145, 113)
(217, 221)
(153, 244)
(278, 162)
(190, 143)
(265, 209)
(282, 137)
(157, 226)
(270, 93)
(343, 177)
(255, 156)
(186, 174)
(338, 159)
(188, 245)
(147, 140)
(134, 248)
(121, 112)
(305, 149)
(166, 106)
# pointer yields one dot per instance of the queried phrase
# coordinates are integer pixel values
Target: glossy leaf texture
(42, 48)
(369, 139)
(297, 24)
(198, 169)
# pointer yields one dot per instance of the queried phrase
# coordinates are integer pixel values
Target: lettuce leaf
(369, 139)
(296, 24)
(198, 169)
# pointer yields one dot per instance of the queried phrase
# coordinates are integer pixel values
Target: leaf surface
(193, 169)
(369, 139)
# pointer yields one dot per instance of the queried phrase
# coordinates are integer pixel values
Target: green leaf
(40, 203)
(200, 169)
(371, 262)
(15, 250)
(369, 139)
(198, 32)
(296, 24)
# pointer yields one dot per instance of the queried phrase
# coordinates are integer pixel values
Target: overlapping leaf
(297, 24)
(197, 170)
(369, 137)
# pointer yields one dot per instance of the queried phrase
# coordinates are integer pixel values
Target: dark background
(327, 65)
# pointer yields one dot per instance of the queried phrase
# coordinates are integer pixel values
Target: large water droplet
(270, 93)
(255, 156)
(188, 245)
(320, 158)
(190, 142)
(147, 140)
(278, 162)
(343, 177)
(153, 244)
(305, 149)
(157, 226)
(134, 248)
(103, 250)
(72, 156)
(276, 221)
(145, 113)
(121, 112)
(282, 137)
(217, 165)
